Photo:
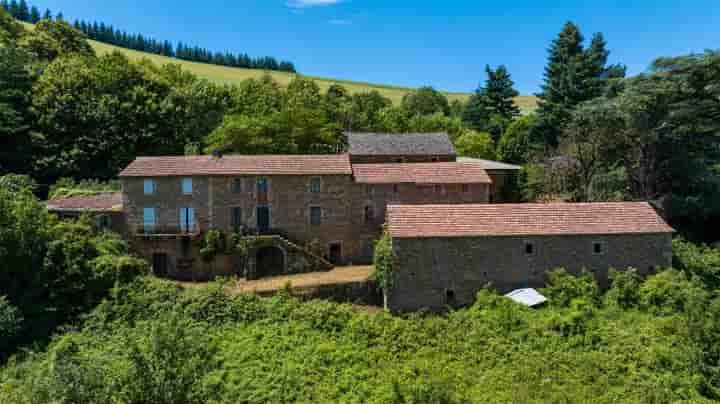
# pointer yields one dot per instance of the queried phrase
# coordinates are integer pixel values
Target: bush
(564, 287)
(383, 261)
(669, 292)
(10, 324)
(624, 288)
(698, 260)
(575, 321)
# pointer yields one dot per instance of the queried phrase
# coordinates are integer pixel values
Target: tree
(492, 107)
(23, 12)
(47, 15)
(515, 145)
(10, 30)
(16, 120)
(51, 39)
(475, 144)
(426, 101)
(34, 15)
(573, 75)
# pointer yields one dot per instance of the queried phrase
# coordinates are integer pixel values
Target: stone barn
(444, 254)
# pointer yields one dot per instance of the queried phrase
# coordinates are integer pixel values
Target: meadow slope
(232, 75)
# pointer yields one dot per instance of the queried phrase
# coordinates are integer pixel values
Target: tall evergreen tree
(492, 102)
(14, 8)
(573, 75)
(23, 11)
(34, 15)
(5, 5)
(47, 15)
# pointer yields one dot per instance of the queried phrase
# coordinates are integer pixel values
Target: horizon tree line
(101, 32)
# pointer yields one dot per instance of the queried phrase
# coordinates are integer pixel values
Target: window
(236, 218)
(236, 186)
(262, 185)
(426, 190)
(369, 214)
(465, 188)
(187, 220)
(529, 248)
(315, 215)
(396, 188)
(149, 186)
(598, 248)
(440, 190)
(369, 189)
(315, 185)
(187, 186)
(149, 220)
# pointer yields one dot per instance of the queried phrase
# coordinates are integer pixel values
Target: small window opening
(598, 248)
(529, 248)
(465, 188)
(396, 188)
(449, 296)
(315, 185)
(237, 186)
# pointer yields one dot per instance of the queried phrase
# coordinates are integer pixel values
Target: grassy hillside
(224, 74)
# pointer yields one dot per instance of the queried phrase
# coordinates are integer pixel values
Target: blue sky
(445, 44)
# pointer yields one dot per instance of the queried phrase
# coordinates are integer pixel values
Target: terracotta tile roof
(407, 221)
(390, 144)
(169, 166)
(421, 173)
(103, 202)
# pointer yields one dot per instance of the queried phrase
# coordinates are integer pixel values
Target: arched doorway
(270, 261)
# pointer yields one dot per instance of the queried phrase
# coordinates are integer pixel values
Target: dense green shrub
(698, 260)
(563, 287)
(624, 288)
(669, 292)
(10, 323)
(200, 345)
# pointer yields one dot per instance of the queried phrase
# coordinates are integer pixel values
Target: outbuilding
(444, 254)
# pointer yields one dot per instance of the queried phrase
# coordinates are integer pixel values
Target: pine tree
(23, 11)
(60, 16)
(34, 15)
(5, 5)
(572, 75)
(500, 93)
(14, 8)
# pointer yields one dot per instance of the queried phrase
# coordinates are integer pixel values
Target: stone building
(291, 201)
(365, 148)
(444, 254)
(104, 208)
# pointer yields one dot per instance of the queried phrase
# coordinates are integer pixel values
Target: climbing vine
(211, 245)
(383, 261)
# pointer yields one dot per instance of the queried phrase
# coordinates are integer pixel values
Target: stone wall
(378, 196)
(434, 272)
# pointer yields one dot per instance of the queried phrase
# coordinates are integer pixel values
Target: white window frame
(186, 185)
(187, 219)
(149, 186)
(149, 220)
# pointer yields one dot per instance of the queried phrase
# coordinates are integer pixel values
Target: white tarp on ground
(529, 297)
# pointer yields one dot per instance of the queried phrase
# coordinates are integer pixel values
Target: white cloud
(338, 21)
(311, 3)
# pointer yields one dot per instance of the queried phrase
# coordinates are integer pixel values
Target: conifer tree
(14, 8)
(34, 15)
(23, 11)
(47, 15)
(573, 75)
(493, 100)
(5, 5)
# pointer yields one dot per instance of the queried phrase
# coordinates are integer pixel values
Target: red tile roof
(407, 221)
(238, 165)
(103, 202)
(421, 173)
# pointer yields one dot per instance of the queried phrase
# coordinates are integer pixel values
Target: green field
(231, 75)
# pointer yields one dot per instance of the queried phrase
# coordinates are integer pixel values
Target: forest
(81, 320)
(108, 34)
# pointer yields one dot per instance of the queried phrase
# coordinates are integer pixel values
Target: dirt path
(338, 275)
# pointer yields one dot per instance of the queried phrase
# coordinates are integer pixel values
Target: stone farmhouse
(452, 225)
